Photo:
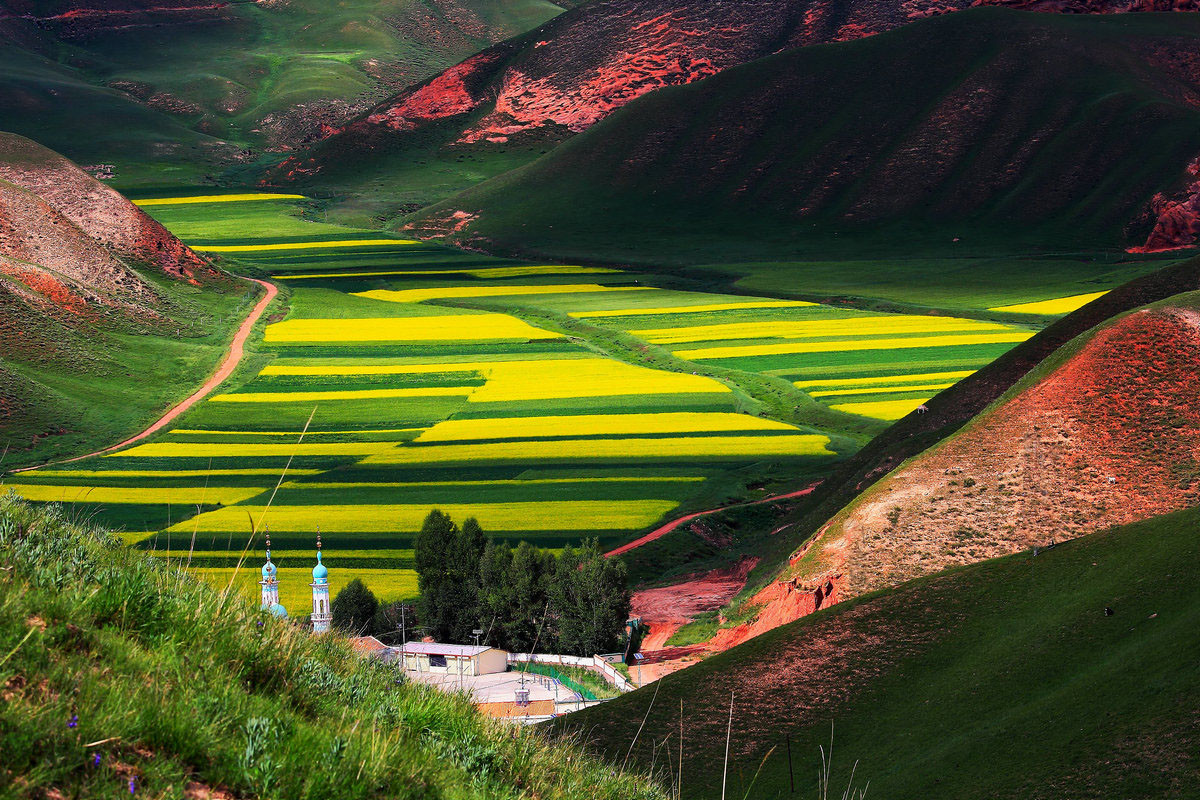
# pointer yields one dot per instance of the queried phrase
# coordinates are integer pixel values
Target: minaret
(270, 586)
(270, 580)
(321, 613)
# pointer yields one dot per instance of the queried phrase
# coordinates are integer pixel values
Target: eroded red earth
(587, 64)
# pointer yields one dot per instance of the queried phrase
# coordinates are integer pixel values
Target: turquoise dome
(268, 569)
(320, 573)
(278, 611)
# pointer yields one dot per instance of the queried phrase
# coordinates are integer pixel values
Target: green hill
(989, 131)
(1005, 679)
(172, 93)
(122, 676)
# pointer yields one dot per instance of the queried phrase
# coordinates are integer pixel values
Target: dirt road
(232, 359)
(658, 533)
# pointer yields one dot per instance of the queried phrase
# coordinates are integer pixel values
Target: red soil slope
(1110, 436)
(81, 18)
(583, 65)
(98, 210)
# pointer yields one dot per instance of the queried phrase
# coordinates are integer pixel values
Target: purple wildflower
(73, 721)
(132, 785)
(96, 760)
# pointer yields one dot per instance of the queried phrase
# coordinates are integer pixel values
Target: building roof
(367, 645)
(439, 649)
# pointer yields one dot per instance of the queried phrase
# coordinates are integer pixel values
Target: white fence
(589, 662)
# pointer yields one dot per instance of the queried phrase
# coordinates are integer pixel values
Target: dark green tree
(354, 608)
(530, 576)
(435, 549)
(464, 587)
(497, 598)
(589, 600)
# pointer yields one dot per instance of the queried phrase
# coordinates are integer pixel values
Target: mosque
(322, 615)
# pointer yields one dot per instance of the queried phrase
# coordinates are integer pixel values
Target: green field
(552, 402)
(1070, 673)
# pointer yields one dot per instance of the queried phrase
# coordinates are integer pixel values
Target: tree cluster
(522, 598)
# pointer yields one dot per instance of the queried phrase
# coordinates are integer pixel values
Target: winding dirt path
(662, 531)
(232, 359)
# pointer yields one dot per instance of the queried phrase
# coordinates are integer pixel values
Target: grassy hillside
(107, 318)
(240, 704)
(978, 133)
(172, 93)
(1004, 679)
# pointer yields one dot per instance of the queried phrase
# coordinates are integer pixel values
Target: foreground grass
(120, 676)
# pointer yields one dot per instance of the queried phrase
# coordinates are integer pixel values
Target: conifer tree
(434, 549)
(354, 609)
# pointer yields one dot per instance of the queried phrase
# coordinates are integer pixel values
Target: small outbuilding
(453, 659)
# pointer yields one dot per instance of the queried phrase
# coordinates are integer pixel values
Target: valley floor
(553, 402)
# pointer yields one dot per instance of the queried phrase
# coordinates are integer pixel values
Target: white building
(453, 659)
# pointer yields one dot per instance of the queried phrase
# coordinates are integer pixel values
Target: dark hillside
(174, 91)
(967, 132)
(574, 71)
(1071, 673)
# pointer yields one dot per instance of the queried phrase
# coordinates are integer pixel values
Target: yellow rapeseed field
(500, 482)
(346, 394)
(263, 248)
(597, 424)
(294, 594)
(637, 312)
(882, 409)
(924, 387)
(446, 328)
(259, 450)
(215, 198)
(551, 515)
(477, 272)
(115, 495)
(812, 329)
(1058, 305)
(377, 368)
(580, 449)
(894, 343)
(193, 432)
(450, 292)
(888, 379)
(555, 379)
(100, 474)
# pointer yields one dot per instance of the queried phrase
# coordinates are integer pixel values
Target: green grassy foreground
(1004, 679)
(121, 676)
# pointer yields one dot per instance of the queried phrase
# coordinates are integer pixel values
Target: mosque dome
(278, 611)
(268, 570)
(320, 573)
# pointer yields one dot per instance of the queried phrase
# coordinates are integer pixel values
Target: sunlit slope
(1100, 434)
(983, 130)
(1068, 673)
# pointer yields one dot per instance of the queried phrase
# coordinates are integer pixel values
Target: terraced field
(406, 377)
